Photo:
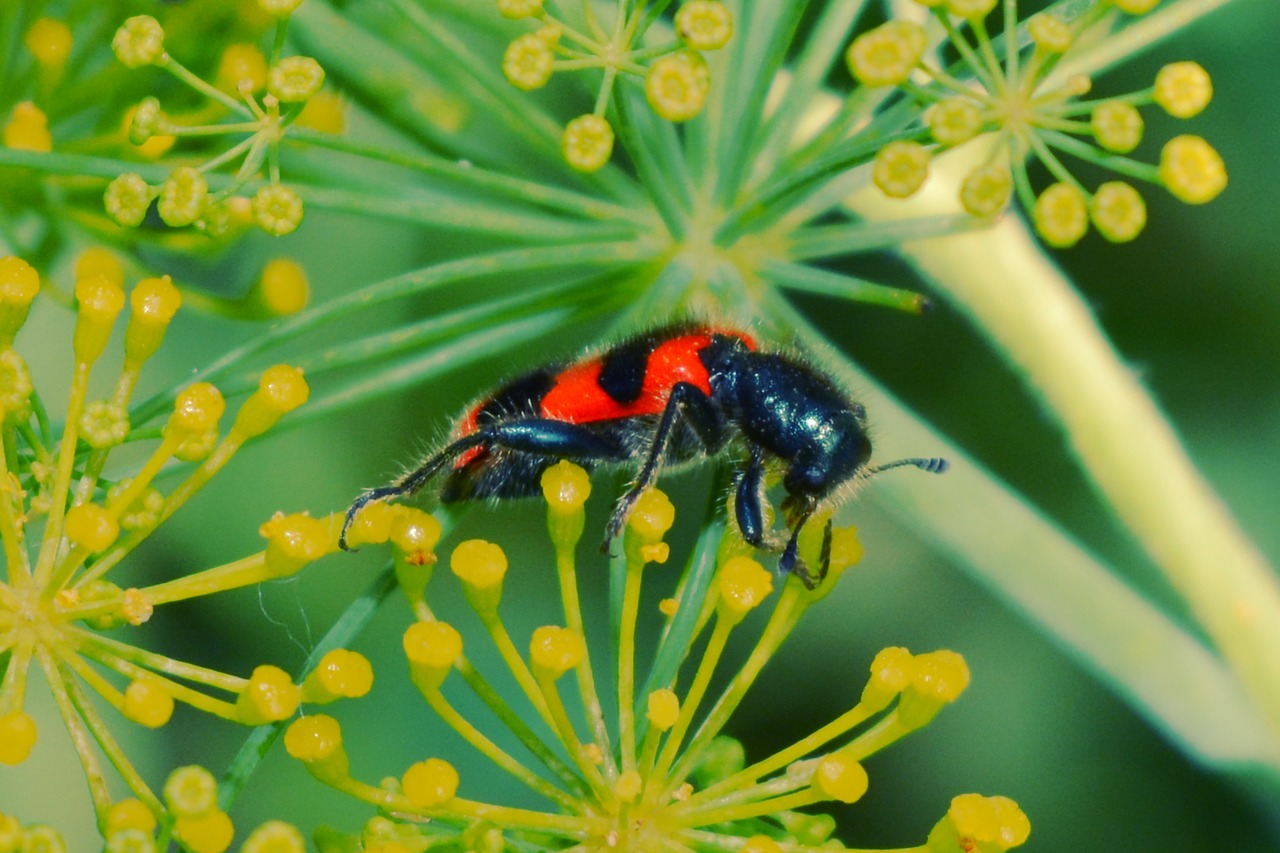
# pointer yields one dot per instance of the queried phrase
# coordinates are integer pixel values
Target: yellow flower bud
(975, 822)
(900, 168)
(340, 674)
(1061, 215)
(954, 120)
(1192, 170)
(294, 541)
(148, 702)
(760, 844)
(704, 24)
(275, 836)
(840, 777)
(886, 55)
(985, 191)
(280, 8)
(1050, 33)
(1136, 7)
(127, 199)
(517, 9)
(432, 649)
(555, 650)
(316, 740)
(281, 389)
(652, 516)
(269, 697)
(277, 209)
(49, 41)
(295, 79)
(241, 65)
(139, 41)
(182, 197)
(970, 9)
(939, 679)
(566, 486)
(19, 284)
(98, 300)
(430, 783)
(677, 85)
(742, 585)
(1118, 211)
(663, 709)
(587, 143)
(197, 409)
(17, 737)
(191, 791)
(97, 260)
(27, 129)
(129, 814)
(414, 535)
(154, 302)
(208, 833)
(527, 62)
(91, 527)
(282, 289)
(1117, 126)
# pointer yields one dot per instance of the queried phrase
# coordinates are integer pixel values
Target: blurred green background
(1193, 305)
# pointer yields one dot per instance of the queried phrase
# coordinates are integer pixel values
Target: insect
(668, 396)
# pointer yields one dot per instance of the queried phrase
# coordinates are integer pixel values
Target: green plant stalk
(1040, 325)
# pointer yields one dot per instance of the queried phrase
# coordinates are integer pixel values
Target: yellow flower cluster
(66, 528)
(657, 774)
(1032, 111)
(675, 74)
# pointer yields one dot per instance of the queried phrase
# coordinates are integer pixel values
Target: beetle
(667, 396)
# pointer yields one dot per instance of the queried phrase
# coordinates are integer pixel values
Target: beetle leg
(701, 414)
(747, 508)
(790, 560)
(531, 435)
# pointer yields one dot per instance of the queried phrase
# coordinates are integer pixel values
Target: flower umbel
(67, 531)
(659, 775)
(1036, 111)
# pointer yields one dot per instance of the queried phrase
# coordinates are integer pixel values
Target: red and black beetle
(667, 396)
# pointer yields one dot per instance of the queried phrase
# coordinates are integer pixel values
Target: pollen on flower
(587, 143)
(17, 737)
(986, 190)
(182, 197)
(677, 85)
(901, 168)
(277, 209)
(527, 62)
(136, 607)
(555, 650)
(892, 671)
(742, 584)
(1117, 126)
(295, 79)
(269, 697)
(939, 679)
(430, 783)
(127, 198)
(341, 674)
(704, 24)
(840, 777)
(139, 41)
(240, 63)
(1061, 215)
(148, 702)
(49, 41)
(1192, 170)
(27, 129)
(886, 55)
(1118, 211)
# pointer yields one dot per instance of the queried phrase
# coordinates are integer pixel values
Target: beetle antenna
(931, 464)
